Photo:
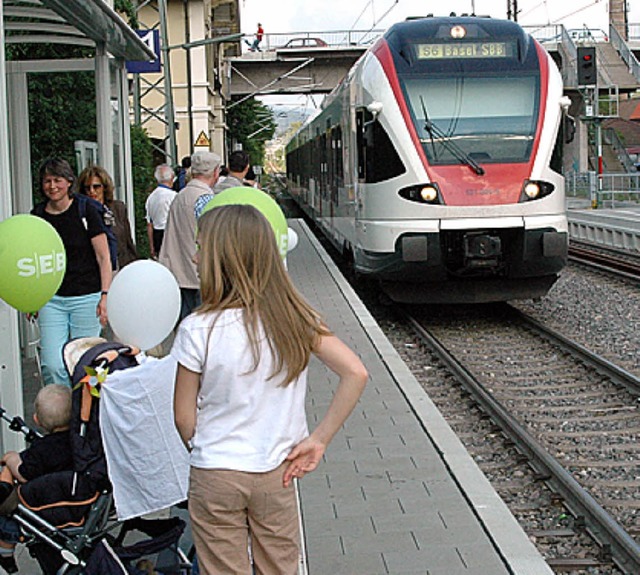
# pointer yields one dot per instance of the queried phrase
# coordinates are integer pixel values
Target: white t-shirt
(245, 421)
(157, 206)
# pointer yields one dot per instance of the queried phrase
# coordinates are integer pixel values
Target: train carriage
(435, 163)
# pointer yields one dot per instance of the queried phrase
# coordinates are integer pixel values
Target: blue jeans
(9, 530)
(63, 318)
(189, 300)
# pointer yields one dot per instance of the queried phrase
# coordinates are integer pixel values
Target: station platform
(616, 228)
(397, 492)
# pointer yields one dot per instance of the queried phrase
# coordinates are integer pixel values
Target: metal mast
(153, 94)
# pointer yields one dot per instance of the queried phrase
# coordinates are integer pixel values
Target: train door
(322, 160)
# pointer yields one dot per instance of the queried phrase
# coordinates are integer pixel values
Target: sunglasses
(92, 187)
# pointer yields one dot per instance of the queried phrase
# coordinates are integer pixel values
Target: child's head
(240, 267)
(238, 259)
(53, 407)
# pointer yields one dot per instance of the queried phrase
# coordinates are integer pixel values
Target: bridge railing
(334, 38)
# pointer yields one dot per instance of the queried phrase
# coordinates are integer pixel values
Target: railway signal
(587, 72)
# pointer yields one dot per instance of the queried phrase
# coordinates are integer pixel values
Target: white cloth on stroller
(147, 461)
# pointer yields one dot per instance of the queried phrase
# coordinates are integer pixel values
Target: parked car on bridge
(304, 43)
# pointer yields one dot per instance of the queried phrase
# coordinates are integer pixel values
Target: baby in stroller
(68, 517)
(46, 454)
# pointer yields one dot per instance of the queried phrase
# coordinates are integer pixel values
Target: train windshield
(467, 119)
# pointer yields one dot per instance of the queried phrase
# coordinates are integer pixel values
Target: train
(435, 165)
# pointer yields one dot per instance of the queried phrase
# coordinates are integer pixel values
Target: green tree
(62, 106)
(143, 183)
(127, 8)
(251, 124)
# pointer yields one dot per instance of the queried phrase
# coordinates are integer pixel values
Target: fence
(604, 190)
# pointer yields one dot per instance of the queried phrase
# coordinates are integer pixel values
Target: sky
(319, 15)
(287, 16)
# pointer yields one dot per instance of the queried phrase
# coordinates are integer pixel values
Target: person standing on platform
(239, 398)
(157, 207)
(233, 177)
(237, 169)
(96, 183)
(179, 237)
(79, 307)
(183, 175)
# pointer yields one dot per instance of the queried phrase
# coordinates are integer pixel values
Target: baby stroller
(68, 518)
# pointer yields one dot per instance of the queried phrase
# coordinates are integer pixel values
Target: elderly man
(179, 243)
(157, 207)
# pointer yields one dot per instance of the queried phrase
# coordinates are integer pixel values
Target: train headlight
(429, 194)
(532, 190)
(422, 193)
(535, 189)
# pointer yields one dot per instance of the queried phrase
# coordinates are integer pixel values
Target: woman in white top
(240, 393)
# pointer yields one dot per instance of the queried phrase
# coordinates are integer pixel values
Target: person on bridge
(256, 43)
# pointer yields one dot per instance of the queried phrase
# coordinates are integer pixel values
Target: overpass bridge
(315, 62)
(297, 63)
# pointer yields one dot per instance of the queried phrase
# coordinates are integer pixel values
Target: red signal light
(587, 57)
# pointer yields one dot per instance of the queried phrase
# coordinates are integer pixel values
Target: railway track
(619, 262)
(572, 416)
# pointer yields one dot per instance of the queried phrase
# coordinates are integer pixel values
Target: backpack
(107, 221)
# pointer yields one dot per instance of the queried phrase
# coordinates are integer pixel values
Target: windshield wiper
(429, 129)
(449, 144)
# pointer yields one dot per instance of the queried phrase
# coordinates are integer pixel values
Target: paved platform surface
(397, 493)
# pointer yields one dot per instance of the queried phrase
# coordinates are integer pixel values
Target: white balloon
(292, 239)
(143, 304)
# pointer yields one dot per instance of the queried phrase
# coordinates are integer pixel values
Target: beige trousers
(232, 510)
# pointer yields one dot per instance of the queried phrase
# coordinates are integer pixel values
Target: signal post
(588, 87)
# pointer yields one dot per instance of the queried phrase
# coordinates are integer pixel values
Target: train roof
(440, 27)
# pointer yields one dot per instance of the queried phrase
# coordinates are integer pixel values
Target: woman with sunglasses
(96, 183)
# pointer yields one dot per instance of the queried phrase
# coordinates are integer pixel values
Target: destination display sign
(465, 50)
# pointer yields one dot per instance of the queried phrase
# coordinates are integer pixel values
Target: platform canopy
(83, 23)
(76, 22)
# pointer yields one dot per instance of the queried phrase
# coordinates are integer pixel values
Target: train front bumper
(462, 249)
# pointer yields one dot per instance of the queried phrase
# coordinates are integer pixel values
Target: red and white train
(435, 164)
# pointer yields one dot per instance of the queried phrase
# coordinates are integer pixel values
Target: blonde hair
(240, 267)
(52, 407)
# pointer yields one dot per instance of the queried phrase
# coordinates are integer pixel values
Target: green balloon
(32, 262)
(261, 201)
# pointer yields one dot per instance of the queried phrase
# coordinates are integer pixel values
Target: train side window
(378, 159)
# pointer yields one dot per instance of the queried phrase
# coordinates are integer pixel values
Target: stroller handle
(16, 423)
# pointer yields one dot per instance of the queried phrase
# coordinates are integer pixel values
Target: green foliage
(62, 109)
(143, 183)
(62, 106)
(247, 118)
(127, 8)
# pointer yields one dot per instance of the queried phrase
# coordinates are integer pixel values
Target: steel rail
(625, 552)
(603, 366)
(625, 264)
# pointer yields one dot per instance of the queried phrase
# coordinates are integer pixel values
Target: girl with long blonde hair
(240, 394)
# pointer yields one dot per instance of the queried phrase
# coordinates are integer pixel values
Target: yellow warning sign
(203, 140)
